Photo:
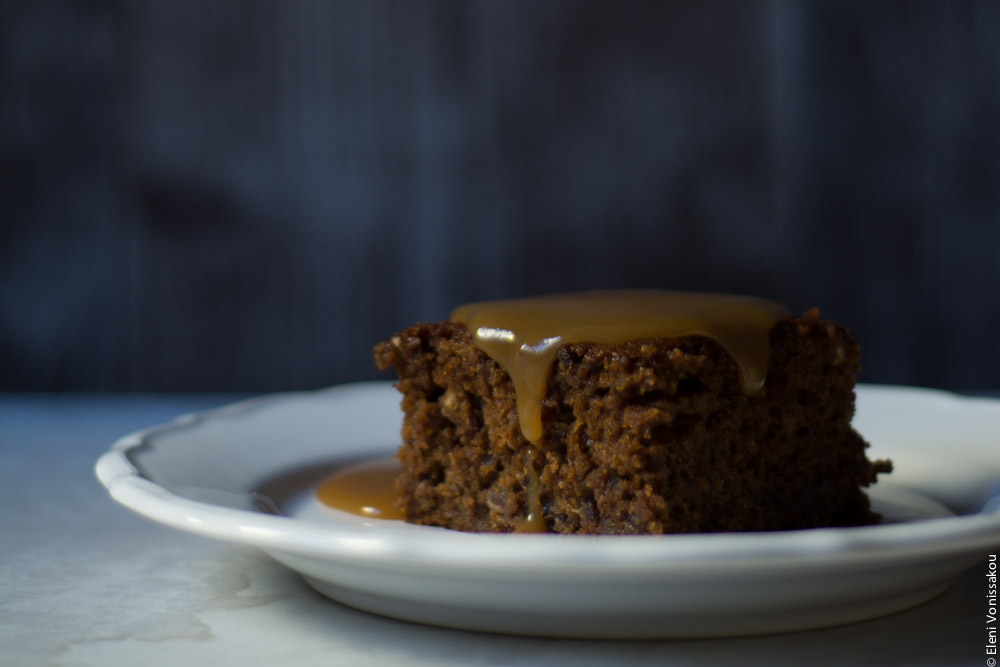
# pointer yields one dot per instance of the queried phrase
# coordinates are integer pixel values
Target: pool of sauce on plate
(366, 489)
(524, 335)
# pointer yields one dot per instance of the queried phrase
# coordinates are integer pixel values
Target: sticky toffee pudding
(629, 413)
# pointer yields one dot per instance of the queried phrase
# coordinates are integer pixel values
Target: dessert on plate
(630, 412)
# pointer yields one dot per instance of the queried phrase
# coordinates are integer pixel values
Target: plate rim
(452, 549)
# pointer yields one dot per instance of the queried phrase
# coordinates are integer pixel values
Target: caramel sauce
(534, 522)
(366, 489)
(524, 335)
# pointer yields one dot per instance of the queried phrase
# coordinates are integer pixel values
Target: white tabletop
(84, 581)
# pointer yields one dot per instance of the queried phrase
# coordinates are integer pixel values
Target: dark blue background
(247, 195)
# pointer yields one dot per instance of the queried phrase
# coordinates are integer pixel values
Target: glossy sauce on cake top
(524, 335)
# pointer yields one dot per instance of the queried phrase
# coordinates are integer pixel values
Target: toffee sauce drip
(524, 335)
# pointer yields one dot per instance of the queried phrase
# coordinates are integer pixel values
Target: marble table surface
(84, 581)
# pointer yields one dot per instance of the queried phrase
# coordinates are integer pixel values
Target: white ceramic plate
(245, 473)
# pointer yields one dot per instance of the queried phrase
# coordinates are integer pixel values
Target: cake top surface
(524, 335)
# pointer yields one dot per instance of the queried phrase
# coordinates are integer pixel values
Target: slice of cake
(628, 413)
